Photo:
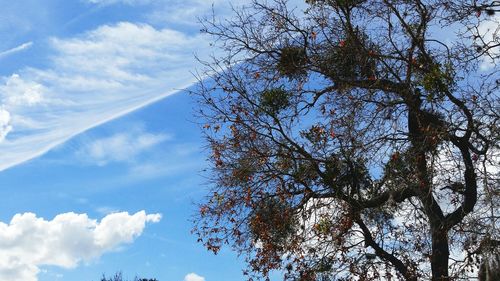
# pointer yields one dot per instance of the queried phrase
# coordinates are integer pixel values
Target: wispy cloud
(177, 12)
(128, 2)
(160, 169)
(92, 78)
(28, 242)
(121, 147)
(18, 92)
(106, 210)
(99, 75)
(17, 49)
(188, 12)
(490, 34)
(5, 126)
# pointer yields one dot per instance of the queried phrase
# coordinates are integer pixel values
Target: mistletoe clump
(353, 58)
(274, 100)
(292, 62)
(361, 147)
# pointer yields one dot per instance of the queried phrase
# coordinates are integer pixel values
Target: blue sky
(100, 157)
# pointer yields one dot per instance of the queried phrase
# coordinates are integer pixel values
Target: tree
(119, 277)
(354, 140)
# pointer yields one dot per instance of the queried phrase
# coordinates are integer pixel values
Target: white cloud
(28, 242)
(16, 91)
(490, 35)
(121, 147)
(172, 166)
(102, 74)
(17, 49)
(5, 126)
(106, 210)
(194, 277)
(128, 2)
(92, 78)
(188, 12)
(178, 12)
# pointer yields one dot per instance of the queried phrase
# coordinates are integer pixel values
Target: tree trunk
(440, 254)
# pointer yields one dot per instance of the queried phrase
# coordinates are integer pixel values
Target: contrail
(19, 48)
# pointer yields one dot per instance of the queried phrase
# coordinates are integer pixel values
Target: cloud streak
(28, 242)
(121, 147)
(17, 49)
(99, 75)
(92, 78)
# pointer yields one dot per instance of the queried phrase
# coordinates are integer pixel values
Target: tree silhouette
(119, 277)
(354, 140)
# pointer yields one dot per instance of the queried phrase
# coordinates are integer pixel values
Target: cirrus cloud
(120, 147)
(17, 49)
(5, 126)
(128, 2)
(92, 78)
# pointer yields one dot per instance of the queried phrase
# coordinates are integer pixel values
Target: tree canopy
(354, 140)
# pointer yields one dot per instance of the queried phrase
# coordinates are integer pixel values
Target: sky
(100, 158)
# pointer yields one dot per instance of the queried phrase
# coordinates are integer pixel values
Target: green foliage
(243, 171)
(314, 134)
(340, 142)
(274, 100)
(325, 265)
(304, 172)
(351, 59)
(324, 226)
(292, 62)
(400, 170)
(336, 3)
(437, 81)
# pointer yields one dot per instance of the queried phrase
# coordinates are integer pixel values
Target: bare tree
(354, 140)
